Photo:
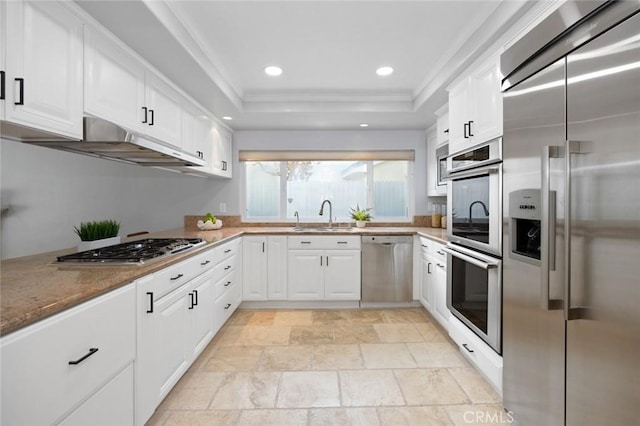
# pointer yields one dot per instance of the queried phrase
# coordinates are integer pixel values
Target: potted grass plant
(361, 216)
(97, 234)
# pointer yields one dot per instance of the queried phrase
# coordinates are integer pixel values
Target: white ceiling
(329, 51)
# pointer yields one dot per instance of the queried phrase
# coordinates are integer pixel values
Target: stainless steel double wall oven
(474, 275)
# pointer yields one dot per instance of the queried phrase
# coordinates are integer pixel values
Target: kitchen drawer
(332, 242)
(231, 248)
(172, 277)
(224, 283)
(227, 303)
(40, 385)
(485, 359)
(433, 248)
(206, 260)
(226, 266)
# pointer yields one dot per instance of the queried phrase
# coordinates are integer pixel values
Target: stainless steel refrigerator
(571, 218)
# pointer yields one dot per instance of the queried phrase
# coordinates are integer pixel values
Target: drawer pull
(192, 301)
(440, 252)
(305, 242)
(177, 277)
(195, 292)
(150, 294)
(206, 262)
(467, 348)
(228, 306)
(226, 268)
(227, 284)
(343, 242)
(78, 361)
(227, 251)
(424, 245)
(440, 266)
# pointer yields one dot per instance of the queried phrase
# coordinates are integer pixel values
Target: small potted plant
(361, 216)
(97, 234)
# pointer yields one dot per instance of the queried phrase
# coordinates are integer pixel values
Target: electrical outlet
(223, 207)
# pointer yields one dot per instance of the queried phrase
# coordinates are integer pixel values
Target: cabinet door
(342, 275)
(3, 49)
(113, 82)
(305, 275)
(255, 268)
(201, 312)
(44, 67)
(441, 312)
(443, 129)
(164, 111)
(277, 268)
(426, 281)
(226, 147)
(162, 355)
(486, 102)
(459, 116)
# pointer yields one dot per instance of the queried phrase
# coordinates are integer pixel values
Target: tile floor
(331, 367)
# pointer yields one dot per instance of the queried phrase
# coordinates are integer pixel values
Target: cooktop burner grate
(132, 252)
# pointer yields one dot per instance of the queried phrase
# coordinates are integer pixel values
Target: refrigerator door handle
(548, 225)
(570, 148)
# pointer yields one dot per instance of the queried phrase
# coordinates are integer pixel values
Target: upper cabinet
(442, 125)
(162, 112)
(41, 67)
(475, 107)
(223, 147)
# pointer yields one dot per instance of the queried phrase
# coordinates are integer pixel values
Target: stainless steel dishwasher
(387, 269)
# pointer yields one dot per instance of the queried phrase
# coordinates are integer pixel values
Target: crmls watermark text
(491, 417)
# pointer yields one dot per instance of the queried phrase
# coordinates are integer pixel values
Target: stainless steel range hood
(107, 140)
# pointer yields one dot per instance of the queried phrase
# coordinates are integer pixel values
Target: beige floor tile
(481, 414)
(391, 333)
(337, 357)
(434, 355)
(413, 416)
(369, 388)
(387, 355)
(230, 335)
(159, 418)
(262, 318)
(343, 416)
(432, 333)
(264, 336)
(430, 387)
(285, 358)
(293, 318)
(311, 335)
(272, 418)
(194, 392)
(366, 316)
(354, 333)
(244, 390)
(330, 317)
(475, 386)
(234, 358)
(202, 418)
(240, 317)
(309, 389)
(413, 315)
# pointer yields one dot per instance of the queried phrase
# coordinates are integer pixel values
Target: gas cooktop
(134, 252)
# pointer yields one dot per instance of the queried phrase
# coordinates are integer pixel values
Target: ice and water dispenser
(525, 211)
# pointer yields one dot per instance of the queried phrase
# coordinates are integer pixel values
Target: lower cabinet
(433, 280)
(72, 366)
(264, 267)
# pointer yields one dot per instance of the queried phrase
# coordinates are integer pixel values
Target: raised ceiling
(329, 51)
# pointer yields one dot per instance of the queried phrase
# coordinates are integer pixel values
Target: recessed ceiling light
(364, 125)
(273, 71)
(382, 71)
(226, 117)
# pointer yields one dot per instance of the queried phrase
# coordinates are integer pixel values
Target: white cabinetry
(433, 280)
(42, 68)
(442, 125)
(475, 107)
(162, 113)
(434, 166)
(265, 268)
(75, 360)
(324, 268)
(228, 287)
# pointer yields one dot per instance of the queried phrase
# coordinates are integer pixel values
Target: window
(275, 190)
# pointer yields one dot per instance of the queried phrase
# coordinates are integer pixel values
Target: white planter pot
(361, 223)
(92, 245)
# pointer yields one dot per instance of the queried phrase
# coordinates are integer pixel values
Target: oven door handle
(470, 259)
(453, 175)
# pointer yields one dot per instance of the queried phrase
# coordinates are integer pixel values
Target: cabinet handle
(192, 301)
(150, 294)
(151, 119)
(224, 166)
(206, 262)
(440, 252)
(21, 96)
(228, 306)
(226, 268)
(195, 293)
(320, 260)
(467, 348)
(200, 154)
(465, 130)
(305, 242)
(470, 134)
(429, 268)
(327, 260)
(79, 360)
(2, 89)
(424, 245)
(227, 251)
(342, 242)
(227, 284)
(446, 131)
(145, 115)
(440, 266)
(263, 247)
(176, 277)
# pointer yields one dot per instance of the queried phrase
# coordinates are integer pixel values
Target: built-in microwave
(441, 163)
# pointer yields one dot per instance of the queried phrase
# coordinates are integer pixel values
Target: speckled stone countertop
(33, 287)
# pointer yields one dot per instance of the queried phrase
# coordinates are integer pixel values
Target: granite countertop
(33, 288)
